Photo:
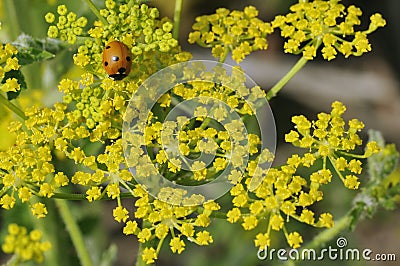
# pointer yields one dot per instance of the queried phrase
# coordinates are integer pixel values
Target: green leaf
(382, 164)
(389, 204)
(17, 74)
(383, 185)
(364, 205)
(31, 50)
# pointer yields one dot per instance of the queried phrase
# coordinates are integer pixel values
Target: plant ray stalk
(74, 232)
(289, 75)
(94, 9)
(177, 18)
(15, 109)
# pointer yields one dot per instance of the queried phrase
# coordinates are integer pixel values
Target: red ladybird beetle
(117, 60)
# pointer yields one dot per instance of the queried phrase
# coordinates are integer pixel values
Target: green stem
(12, 18)
(177, 18)
(139, 260)
(336, 170)
(225, 54)
(325, 236)
(69, 196)
(358, 156)
(278, 86)
(328, 234)
(75, 196)
(96, 11)
(74, 232)
(175, 102)
(214, 214)
(160, 245)
(13, 261)
(49, 229)
(15, 109)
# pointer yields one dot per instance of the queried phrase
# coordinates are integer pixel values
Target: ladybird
(117, 60)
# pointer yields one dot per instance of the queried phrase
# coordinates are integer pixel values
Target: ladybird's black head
(118, 76)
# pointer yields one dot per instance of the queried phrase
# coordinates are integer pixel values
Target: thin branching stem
(177, 18)
(96, 11)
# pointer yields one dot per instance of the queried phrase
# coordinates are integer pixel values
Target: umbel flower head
(26, 246)
(239, 32)
(90, 112)
(282, 195)
(137, 26)
(327, 23)
(329, 138)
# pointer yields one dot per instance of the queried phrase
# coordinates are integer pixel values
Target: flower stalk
(15, 109)
(74, 232)
(285, 79)
(94, 9)
(177, 18)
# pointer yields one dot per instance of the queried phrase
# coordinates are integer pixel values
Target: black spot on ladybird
(108, 47)
(128, 58)
(106, 63)
(115, 58)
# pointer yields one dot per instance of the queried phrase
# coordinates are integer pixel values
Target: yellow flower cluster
(239, 32)
(138, 27)
(26, 168)
(68, 27)
(317, 22)
(25, 246)
(85, 129)
(162, 219)
(8, 62)
(279, 197)
(282, 196)
(91, 112)
(198, 136)
(330, 139)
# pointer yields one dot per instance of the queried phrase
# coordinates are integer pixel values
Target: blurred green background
(368, 85)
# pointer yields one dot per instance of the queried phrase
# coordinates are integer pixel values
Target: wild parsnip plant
(132, 146)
